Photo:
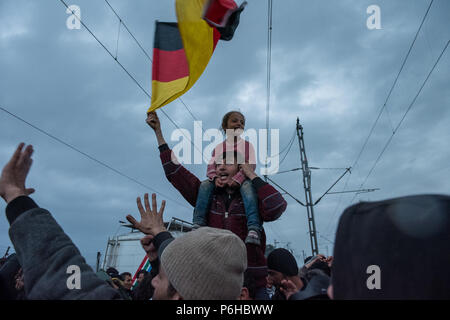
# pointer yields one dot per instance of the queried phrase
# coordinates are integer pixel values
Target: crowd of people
(383, 250)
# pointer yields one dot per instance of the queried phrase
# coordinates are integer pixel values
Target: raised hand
(248, 171)
(320, 257)
(14, 174)
(149, 247)
(329, 261)
(153, 121)
(151, 219)
(288, 288)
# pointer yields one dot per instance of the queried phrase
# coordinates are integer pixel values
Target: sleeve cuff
(258, 183)
(18, 206)
(154, 264)
(160, 238)
(163, 147)
(236, 180)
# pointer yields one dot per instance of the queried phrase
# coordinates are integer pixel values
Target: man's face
(140, 277)
(127, 282)
(161, 285)
(275, 277)
(226, 171)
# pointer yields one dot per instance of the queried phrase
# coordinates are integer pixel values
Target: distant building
(124, 252)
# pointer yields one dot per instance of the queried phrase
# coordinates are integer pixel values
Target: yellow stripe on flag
(165, 92)
(198, 43)
(197, 37)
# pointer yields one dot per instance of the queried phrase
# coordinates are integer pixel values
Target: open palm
(151, 219)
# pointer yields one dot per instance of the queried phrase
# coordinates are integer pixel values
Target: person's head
(321, 265)
(281, 265)
(248, 291)
(227, 165)
(204, 264)
(318, 262)
(126, 280)
(274, 277)
(164, 290)
(235, 121)
(376, 246)
(112, 272)
(141, 275)
(144, 291)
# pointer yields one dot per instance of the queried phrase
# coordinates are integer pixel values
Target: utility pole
(308, 193)
(307, 186)
(97, 266)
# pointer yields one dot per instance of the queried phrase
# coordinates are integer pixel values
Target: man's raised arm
(181, 178)
(47, 255)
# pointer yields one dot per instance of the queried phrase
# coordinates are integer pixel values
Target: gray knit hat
(206, 264)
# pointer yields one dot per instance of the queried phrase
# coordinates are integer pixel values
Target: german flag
(182, 50)
(170, 72)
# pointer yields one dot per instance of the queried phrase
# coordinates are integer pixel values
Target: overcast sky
(328, 69)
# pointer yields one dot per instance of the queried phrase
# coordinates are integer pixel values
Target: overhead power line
(89, 156)
(269, 60)
(404, 115)
(401, 120)
(128, 73)
(383, 107)
(357, 191)
(316, 168)
(289, 149)
(295, 169)
(312, 168)
(285, 191)
(392, 87)
(121, 22)
(320, 198)
(287, 145)
(126, 27)
(344, 190)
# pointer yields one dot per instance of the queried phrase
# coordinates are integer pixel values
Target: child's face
(236, 122)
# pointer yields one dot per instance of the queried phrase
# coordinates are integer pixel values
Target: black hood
(407, 238)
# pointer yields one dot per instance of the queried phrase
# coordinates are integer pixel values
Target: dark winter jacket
(394, 249)
(45, 253)
(8, 272)
(315, 286)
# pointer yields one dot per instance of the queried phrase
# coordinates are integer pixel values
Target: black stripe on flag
(167, 36)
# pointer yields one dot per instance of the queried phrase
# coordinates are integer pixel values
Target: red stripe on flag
(216, 37)
(169, 65)
(140, 267)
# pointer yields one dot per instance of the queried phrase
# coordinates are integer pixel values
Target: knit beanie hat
(283, 261)
(206, 264)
